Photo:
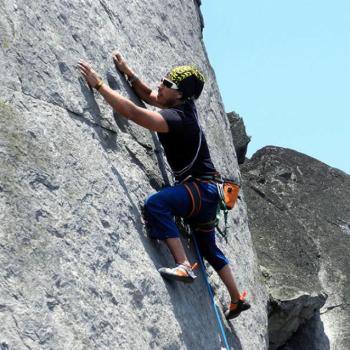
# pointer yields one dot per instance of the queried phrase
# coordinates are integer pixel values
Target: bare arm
(141, 116)
(143, 91)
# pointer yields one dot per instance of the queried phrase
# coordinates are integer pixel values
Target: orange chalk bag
(230, 192)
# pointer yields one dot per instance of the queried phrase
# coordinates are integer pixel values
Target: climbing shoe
(234, 309)
(181, 273)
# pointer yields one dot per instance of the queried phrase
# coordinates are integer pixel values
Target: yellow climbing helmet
(189, 80)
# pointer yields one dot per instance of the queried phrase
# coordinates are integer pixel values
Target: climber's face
(168, 94)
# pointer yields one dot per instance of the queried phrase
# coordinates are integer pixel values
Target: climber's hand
(88, 73)
(120, 63)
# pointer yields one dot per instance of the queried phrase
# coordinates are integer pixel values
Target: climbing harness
(228, 191)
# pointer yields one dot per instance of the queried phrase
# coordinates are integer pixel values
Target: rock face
(76, 268)
(299, 216)
(240, 137)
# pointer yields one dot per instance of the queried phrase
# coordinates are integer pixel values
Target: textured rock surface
(299, 212)
(239, 135)
(76, 269)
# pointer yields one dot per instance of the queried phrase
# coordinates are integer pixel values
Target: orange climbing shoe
(235, 308)
(181, 273)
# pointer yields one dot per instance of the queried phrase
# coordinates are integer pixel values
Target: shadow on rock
(106, 136)
(310, 336)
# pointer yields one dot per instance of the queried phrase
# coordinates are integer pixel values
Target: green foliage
(5, 109)
(5, 43)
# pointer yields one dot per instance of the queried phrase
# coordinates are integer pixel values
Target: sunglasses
(169, 84)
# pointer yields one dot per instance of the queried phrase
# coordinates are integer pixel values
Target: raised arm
(143, 91)
(148, 119)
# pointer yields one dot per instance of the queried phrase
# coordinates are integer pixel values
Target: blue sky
(285, 68)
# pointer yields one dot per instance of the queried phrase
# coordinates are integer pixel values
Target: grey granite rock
(76, 268)
(299, 216)
(239, 135)
(289, 315)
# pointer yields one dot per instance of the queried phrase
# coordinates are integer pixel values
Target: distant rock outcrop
(299, 216)
(239, 135)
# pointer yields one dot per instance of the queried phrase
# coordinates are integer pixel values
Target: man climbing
(188, 155)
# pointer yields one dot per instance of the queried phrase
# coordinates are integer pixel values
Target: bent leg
(209, 250)
(177, 251)
(160, 210)
(215, 257)
(226, 276)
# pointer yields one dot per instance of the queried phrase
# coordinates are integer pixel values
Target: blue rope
(215, 307)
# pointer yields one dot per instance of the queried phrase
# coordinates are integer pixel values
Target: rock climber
(187, 153)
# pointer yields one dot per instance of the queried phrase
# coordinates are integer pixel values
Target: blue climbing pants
(162, 207)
